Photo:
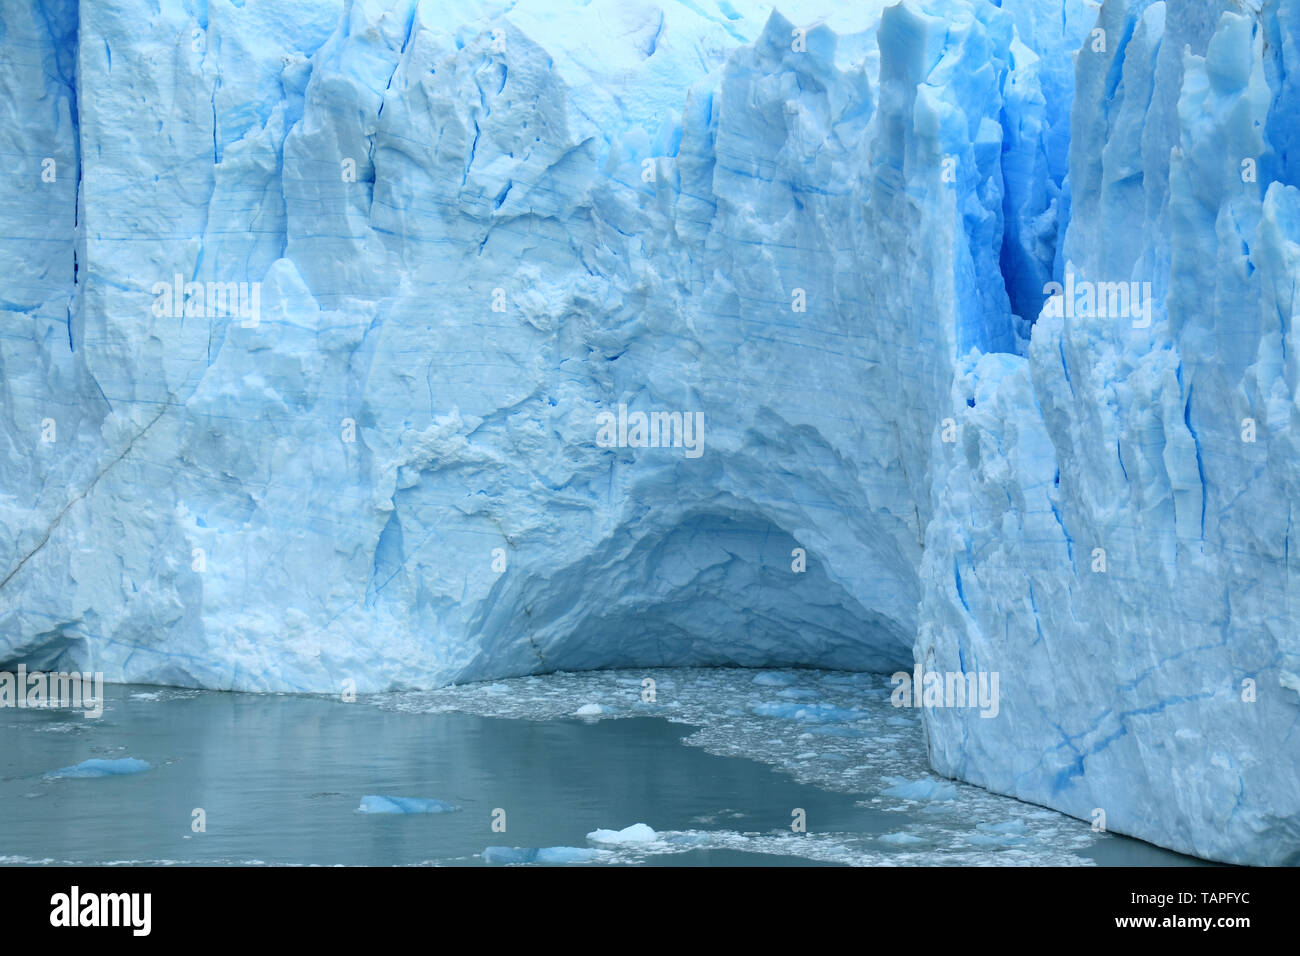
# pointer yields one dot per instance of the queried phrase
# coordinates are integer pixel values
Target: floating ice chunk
(589, 710)
(377, 804)
(636, 833)
(923, 789)
(797, 693)
(100, 767)
(505, 855)
(901, 839)
(813, 713)
(502, 855)
(773, 679)
(567, 854)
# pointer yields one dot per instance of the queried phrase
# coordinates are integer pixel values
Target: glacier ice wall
(476, 228)
(471, 242)
(1113, 531)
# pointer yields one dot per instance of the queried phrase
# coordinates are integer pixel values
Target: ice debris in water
(636, 833)
(933, 790)
(499, 855)
(378, 804)
(101, 767)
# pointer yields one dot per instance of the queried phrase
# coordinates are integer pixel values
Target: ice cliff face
(1116, 515)
(477, 242)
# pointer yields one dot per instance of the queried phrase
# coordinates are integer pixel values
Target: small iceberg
(636, 833)
(377, 804)
(100, 767)
(589, 710)
(501, 855)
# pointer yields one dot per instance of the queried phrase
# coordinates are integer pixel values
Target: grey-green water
(279, 780)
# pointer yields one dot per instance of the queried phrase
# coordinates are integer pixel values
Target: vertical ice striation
(42, 372)
(308, 347)
(1118, 506)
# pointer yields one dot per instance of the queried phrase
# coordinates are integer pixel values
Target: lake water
(716, 764)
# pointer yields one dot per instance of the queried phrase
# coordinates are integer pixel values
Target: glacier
(433, 243)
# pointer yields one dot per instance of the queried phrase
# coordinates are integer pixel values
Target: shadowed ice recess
(464, 236)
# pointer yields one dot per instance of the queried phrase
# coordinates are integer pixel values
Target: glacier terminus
(391, 345)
